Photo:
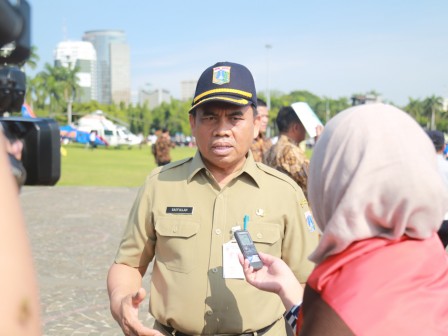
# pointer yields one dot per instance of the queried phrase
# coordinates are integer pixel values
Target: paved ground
(74, 234)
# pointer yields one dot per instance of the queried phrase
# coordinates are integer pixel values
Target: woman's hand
(276, 277)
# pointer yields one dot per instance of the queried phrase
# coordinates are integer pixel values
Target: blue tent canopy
(69, 132)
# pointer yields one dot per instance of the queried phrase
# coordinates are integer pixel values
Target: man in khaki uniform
(261, 143)
(286, 155)
(183, 219)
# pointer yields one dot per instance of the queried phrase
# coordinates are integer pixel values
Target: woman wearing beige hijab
(378, 199)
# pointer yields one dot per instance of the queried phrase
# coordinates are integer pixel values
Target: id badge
(232, 268)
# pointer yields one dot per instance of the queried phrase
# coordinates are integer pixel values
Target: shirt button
(259, 235)
(214, 270)
(218, 231)
(209, 312)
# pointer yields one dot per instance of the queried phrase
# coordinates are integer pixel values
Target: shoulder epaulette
(168, 166)
(274, 172)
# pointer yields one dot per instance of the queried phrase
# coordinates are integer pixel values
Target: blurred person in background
(162, 148)
(261, 143)
(286, 155)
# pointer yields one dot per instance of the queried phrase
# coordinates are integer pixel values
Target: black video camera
(41, 158)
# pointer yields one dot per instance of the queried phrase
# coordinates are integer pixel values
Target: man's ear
(192, 120)
(296, 127)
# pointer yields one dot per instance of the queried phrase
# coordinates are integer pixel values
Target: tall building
(113, 65)
(154, 98)
(83, 55)
(187, 89)
(120, 76)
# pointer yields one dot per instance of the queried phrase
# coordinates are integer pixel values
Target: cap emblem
(221, 75)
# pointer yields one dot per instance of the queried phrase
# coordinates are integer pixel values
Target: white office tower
(81, 54)
(188, 88)
(154, 98)
(113, 65)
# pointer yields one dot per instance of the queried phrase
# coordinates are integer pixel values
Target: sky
(399, 48)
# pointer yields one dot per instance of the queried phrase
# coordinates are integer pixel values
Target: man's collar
(196, 166)
(250, 167)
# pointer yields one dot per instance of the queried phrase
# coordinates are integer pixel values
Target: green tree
(51, 87)
(415, 109)
(70, 87)
(432, 106)
(61, 87)
(32, 60)
(36, 94)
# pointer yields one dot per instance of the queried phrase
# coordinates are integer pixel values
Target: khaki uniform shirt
(260, 146)
(286, 156)
(181, 219)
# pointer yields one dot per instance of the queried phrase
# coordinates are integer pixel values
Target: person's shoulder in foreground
(19, 306)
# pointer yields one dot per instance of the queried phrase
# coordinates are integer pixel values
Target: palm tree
(415, 109)
(37, 92)
(62, 86)
(432, 106)
(52, 88)
(70, 88)
(32, 60)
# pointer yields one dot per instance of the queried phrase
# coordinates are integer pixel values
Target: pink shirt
(384, 287)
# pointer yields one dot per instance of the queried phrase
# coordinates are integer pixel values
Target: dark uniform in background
(162, 148)
(260, 146)
(286, 156)
(261, 143)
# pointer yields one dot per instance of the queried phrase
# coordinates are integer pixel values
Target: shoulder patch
(310, 221)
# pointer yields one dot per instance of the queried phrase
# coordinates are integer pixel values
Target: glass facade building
(113, 65)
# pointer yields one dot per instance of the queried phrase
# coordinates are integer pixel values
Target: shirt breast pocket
(266, 237)
(176, 243)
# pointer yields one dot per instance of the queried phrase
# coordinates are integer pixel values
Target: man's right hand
(124, 285)
(128, 317)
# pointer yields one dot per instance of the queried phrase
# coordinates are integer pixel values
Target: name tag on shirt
(179, 210)
(231, 266)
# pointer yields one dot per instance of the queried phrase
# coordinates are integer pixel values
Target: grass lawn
(120, 167)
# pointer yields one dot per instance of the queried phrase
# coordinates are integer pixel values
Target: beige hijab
(373, 174)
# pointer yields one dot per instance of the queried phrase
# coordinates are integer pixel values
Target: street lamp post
(268, 93)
